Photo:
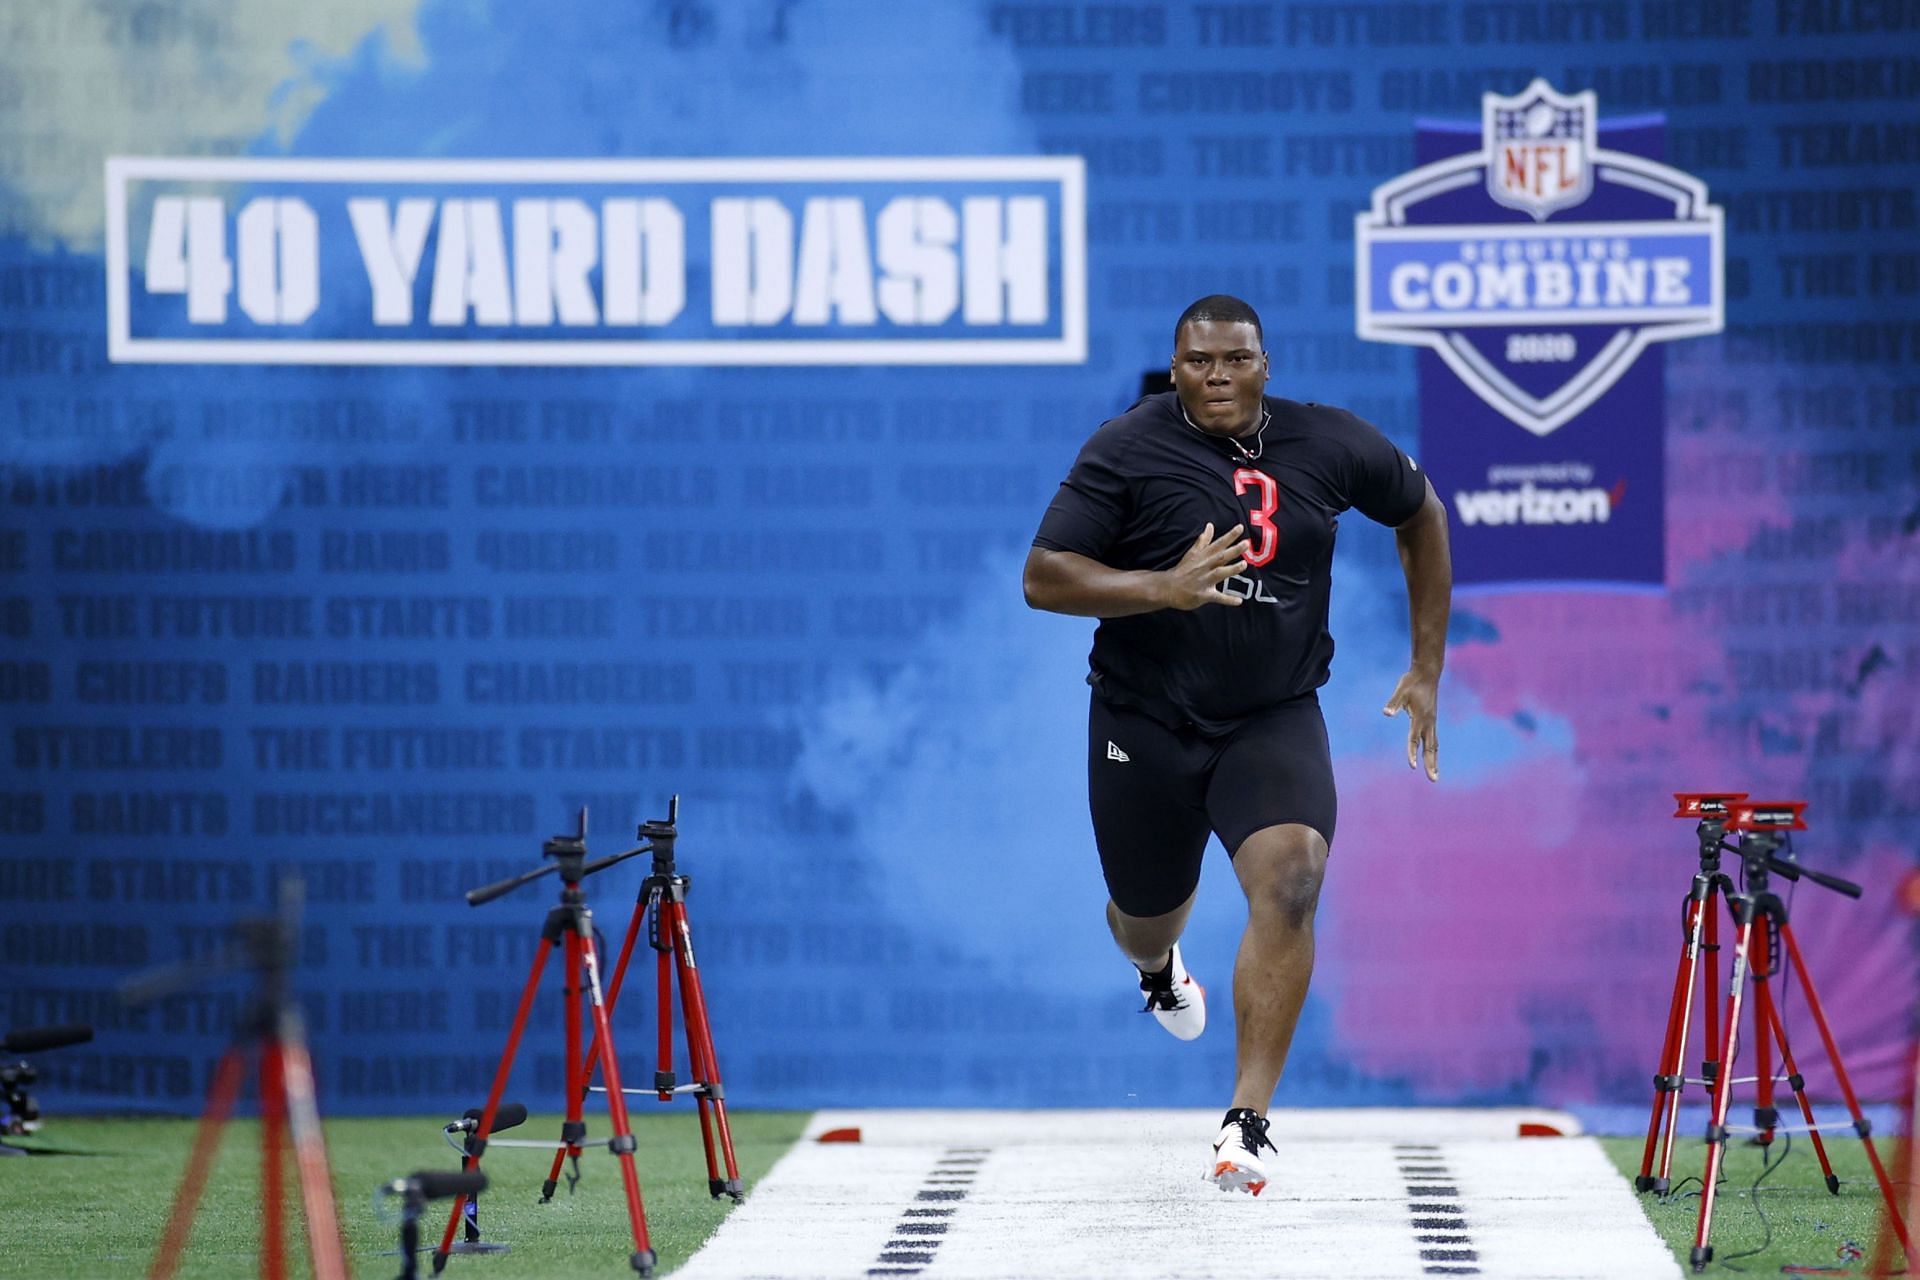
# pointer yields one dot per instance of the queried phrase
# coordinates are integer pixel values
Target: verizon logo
(1532, 504)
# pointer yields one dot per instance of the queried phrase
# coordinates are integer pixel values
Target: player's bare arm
(1428, 566)
(1066, 582)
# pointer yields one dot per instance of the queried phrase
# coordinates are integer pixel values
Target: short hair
(1220, 306)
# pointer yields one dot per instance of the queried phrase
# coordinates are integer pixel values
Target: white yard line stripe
(1067, 1195)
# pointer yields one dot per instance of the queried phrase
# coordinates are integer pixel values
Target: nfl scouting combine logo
(1537, 261)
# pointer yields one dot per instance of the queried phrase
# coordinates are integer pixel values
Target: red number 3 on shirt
(1261, 517)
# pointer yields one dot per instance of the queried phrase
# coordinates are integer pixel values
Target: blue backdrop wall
(390, 626)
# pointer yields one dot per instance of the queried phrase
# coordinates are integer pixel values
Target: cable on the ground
(1753, 1195)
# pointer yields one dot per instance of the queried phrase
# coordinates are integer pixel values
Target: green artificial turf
(99, 1215)
(1792, 1221)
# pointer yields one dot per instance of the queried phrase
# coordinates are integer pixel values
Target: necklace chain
(1259, 437)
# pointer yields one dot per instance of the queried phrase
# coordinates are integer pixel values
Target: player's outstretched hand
(1210, 561)
(1419, 696)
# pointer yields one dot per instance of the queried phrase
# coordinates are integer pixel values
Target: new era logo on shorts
(1115, 753)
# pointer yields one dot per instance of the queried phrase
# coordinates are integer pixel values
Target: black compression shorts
(1156, 792)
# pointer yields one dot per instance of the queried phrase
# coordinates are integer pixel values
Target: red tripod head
(1767, 815)
(1703, 805)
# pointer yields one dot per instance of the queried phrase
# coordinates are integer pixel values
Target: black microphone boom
(509, 1115)
(39, 1039)
(438, 1184)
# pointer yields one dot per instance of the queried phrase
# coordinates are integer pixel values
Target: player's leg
(1148, 940)
(1272, 800)
(1145, 792)
(1280, 870)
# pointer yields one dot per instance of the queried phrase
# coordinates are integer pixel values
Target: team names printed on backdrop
(597, 262)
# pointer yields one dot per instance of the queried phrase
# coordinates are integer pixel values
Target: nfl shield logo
(1540, 147)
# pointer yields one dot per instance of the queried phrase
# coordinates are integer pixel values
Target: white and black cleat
(1175, 1000)
(1236, 1164)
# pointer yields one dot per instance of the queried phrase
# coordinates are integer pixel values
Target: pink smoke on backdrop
(1518, 935)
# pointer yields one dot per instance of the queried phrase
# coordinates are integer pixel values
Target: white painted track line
(1091, 1195)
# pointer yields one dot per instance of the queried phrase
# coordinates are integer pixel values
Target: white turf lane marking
(1088, 1195)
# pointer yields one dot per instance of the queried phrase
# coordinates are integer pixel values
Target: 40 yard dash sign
(597, 262)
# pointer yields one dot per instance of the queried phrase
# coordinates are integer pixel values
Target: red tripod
(286, 1101)
(1761, 916)
(663, 897)
(570, 927)
(1702, 940)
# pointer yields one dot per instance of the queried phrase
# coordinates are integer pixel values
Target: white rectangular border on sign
(1069, 348)
(1702, 318)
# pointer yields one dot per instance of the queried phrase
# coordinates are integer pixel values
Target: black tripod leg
(1765, 1114)
(409, 1245)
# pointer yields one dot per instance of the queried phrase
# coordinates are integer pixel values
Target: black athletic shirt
(1139, 494)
